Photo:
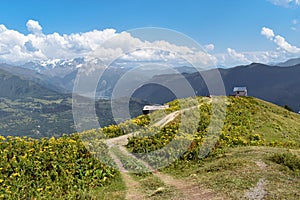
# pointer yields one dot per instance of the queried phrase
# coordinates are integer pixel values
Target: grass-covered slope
(245, 172)
(248, 122)
(256, 156)
(48, 116)
(36, 117)
(259, 122)
(252, 147)
(52, 168)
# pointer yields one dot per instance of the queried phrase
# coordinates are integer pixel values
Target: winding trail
(188, 189)
(133, 187)
(122, 140)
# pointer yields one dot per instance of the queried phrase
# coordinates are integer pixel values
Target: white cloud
(237, 56)
(2, 28)
(133, 49)
(233, 58)
(18, 48)
(283, 44)
(286, 3)
(267, 32)
(209, 47)
(284, 51)
(279, 41)
(34, 27)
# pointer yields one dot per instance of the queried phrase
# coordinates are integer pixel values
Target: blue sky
(227, 24)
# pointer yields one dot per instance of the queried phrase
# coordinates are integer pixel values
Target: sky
(233, 32)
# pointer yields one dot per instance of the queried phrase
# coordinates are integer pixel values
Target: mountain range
(39, 94)
(279, 85)
(276, 83)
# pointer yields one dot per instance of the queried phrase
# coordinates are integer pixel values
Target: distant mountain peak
(289, 63)
(55, 67)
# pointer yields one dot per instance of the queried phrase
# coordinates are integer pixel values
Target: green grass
(115, 190)
(287, 159)
(234, 172)
(48, 116)
(131, 164)
(248, 122)
(155, 189)
(275, 123)
(254, 131)
(32, 117)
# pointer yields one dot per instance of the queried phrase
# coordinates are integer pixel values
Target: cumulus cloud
(34, 27)
(233, 58)
(283, 44)
(129, 48)
(18, 48)
(269, 33)
(284, 51)
(108, 45)
(2, 28)
(279, 41)
(237, 56)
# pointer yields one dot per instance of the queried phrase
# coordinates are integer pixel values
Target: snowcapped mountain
(55, 67)
(61, 74)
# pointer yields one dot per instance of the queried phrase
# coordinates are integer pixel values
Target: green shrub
(49, 168)
(287, 159)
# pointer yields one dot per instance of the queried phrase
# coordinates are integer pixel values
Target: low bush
(286, 159)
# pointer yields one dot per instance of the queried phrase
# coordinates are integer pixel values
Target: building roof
(155, 107)
(239, 89)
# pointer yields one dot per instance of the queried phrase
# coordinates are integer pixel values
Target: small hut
(240, 91)
(151, 108)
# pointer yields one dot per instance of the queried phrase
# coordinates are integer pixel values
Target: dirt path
(258, 192)
(133, 187)
(187, 188)
(170, 117)
(122, 140)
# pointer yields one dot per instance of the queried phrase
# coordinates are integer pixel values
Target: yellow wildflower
(2, 138)
(15, 174)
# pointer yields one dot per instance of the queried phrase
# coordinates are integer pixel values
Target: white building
(240, 91)
(151, 108)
